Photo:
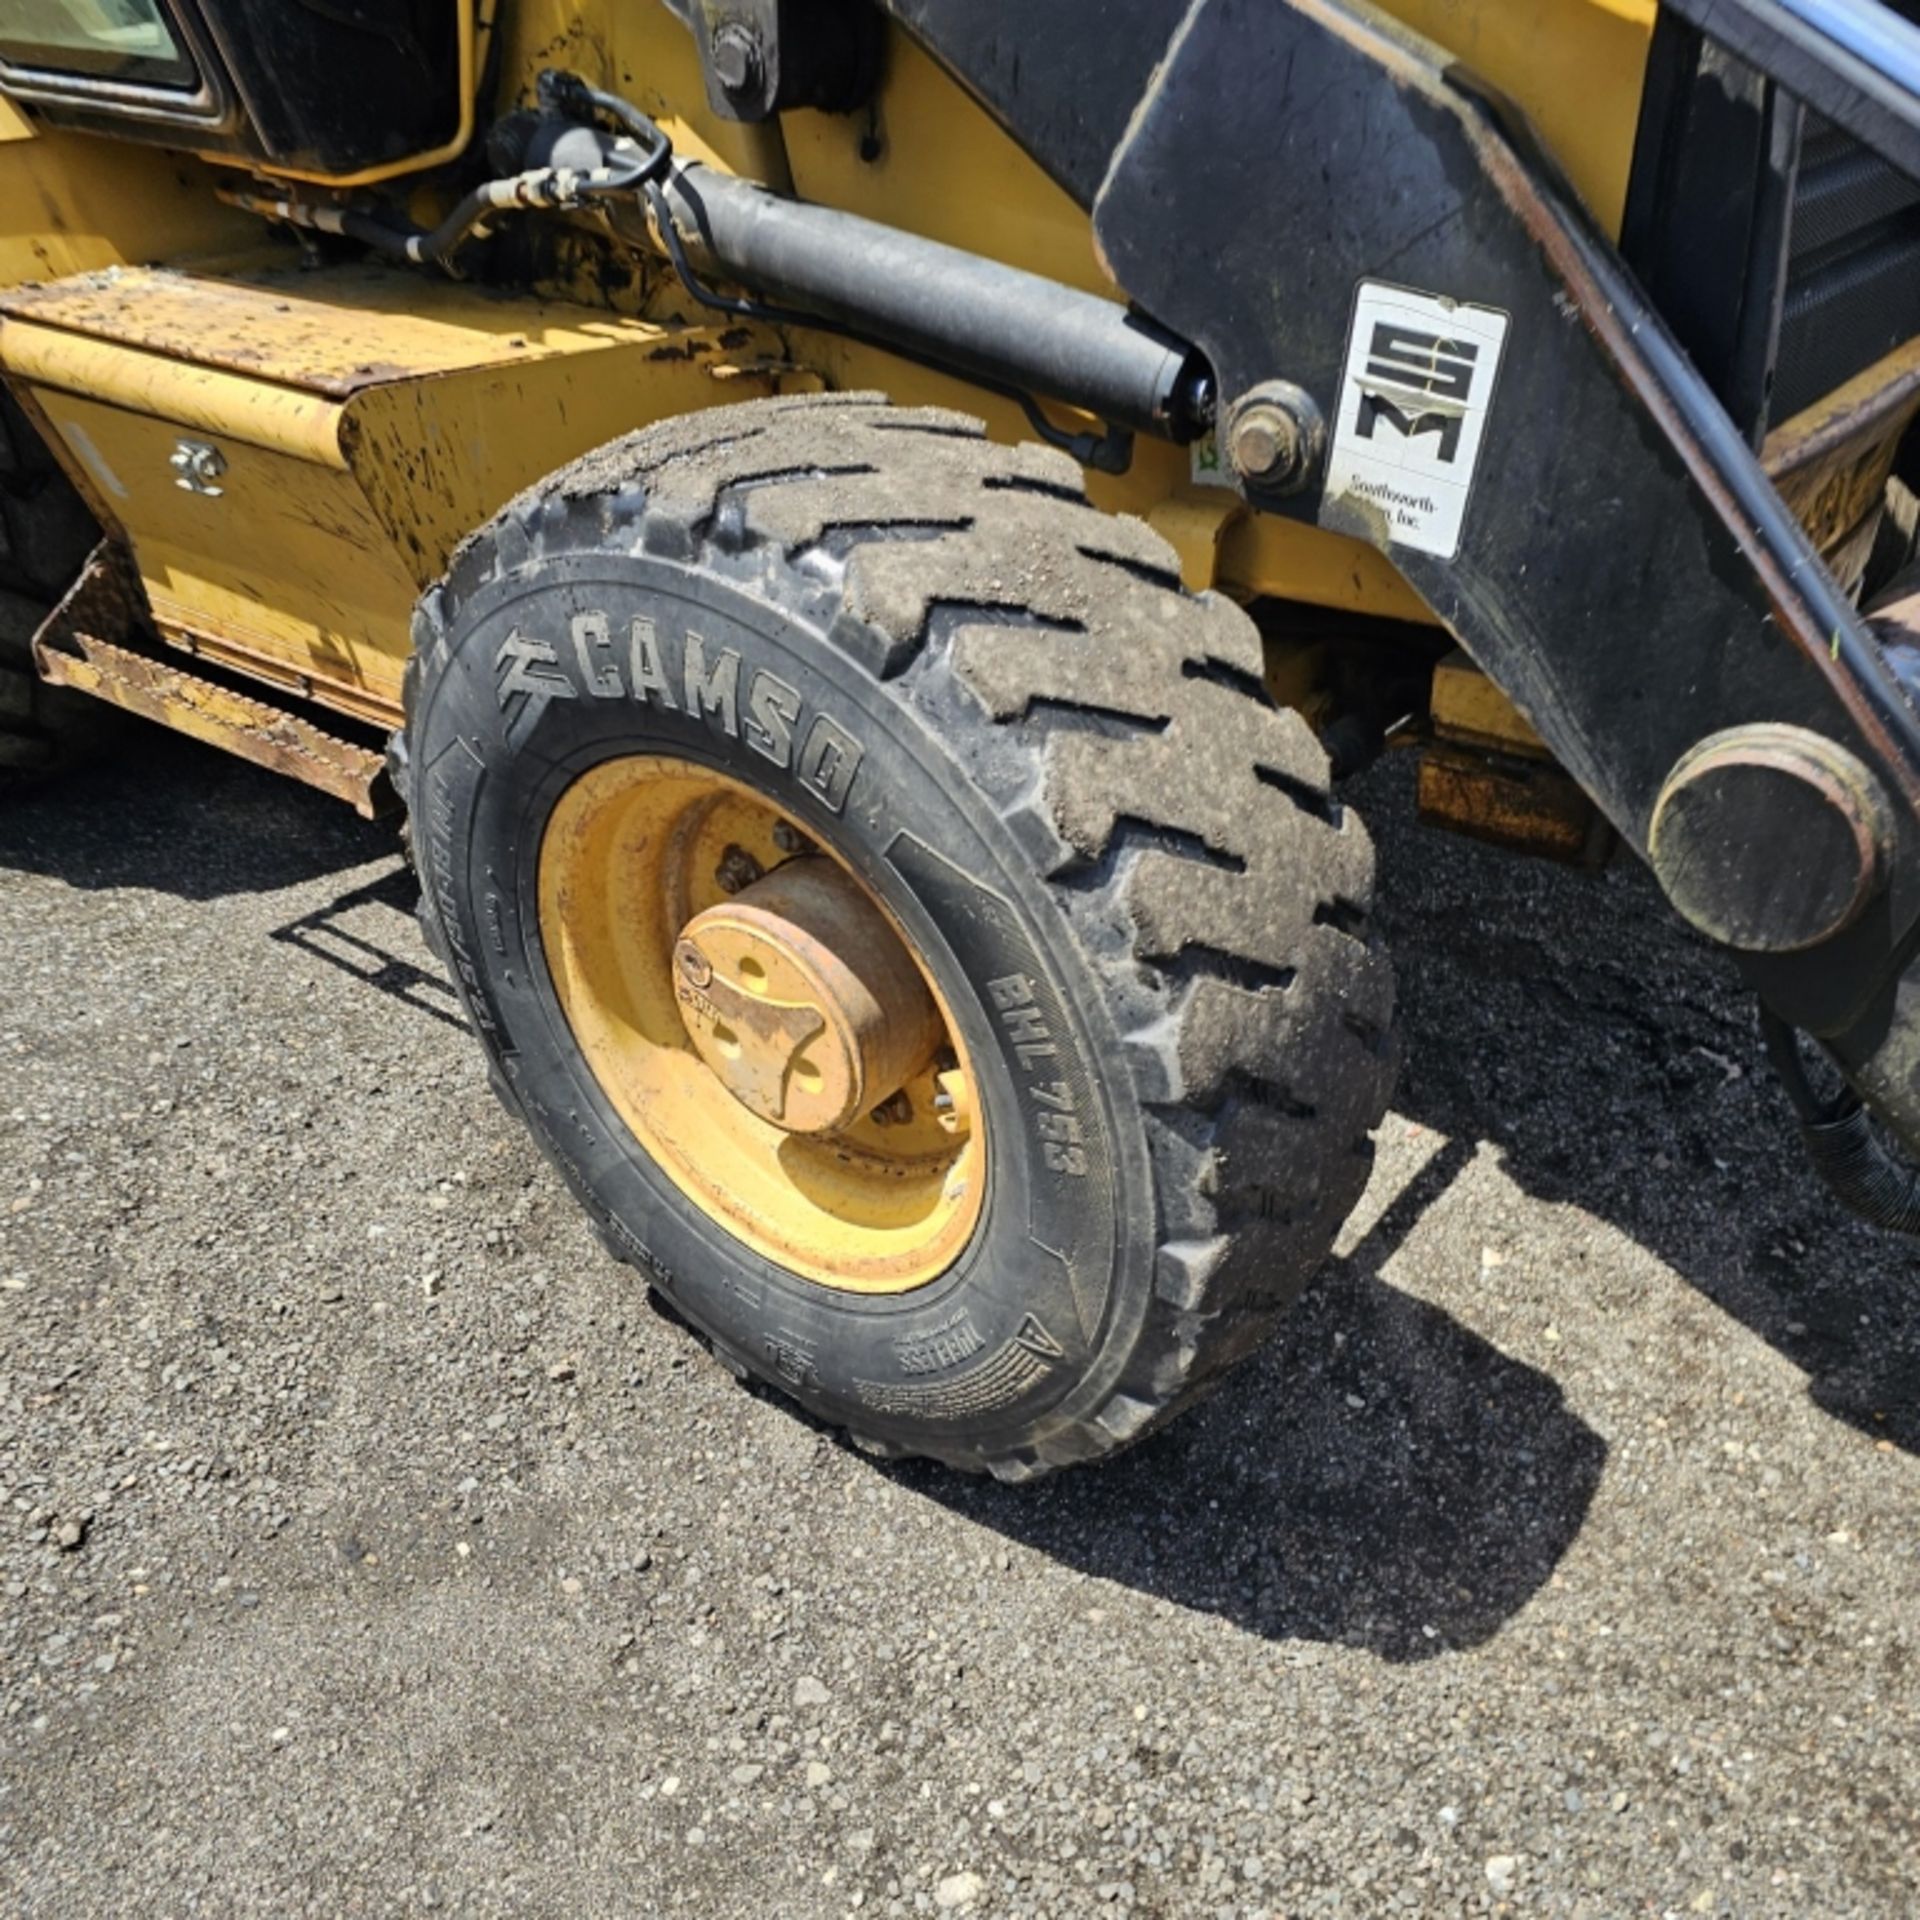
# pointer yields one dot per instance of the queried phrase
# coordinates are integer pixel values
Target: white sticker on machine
(1413, 406)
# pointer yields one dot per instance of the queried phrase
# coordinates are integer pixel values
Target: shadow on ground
(172, 816)
(345, 934)
(1615, 1061)
(1377, 1477)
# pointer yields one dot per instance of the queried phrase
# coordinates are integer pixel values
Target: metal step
(71, 650)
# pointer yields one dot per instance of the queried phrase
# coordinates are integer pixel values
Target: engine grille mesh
(1853, 269)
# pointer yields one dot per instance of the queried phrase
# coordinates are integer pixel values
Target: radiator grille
(1853, 268)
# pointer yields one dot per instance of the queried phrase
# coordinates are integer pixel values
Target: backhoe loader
(862, 540)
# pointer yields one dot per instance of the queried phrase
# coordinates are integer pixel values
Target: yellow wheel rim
(762, 1024)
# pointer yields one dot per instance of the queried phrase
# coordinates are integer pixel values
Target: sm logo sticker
(1414, 395)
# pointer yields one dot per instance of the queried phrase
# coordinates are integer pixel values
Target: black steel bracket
(763, 56)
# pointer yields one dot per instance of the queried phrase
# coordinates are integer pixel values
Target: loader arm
(1317, 197)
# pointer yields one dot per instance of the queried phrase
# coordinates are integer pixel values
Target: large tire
(1120, 862)
(46, 534)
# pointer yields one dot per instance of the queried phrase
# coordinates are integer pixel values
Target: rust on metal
(105, 600)
(1512, 801)
(1830, 463)
(802, 999)
(306, 682)
(1486, 773)
(72, 650)
(1875, 405)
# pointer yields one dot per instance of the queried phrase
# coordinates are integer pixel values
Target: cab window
(130, 40)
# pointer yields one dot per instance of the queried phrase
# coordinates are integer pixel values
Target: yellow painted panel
(1468, 706)
(287, 560)
(368, 419)
(1264, 554)
(1574, 66)
(942, 168)
(203, 399)
(70, 203)
(335, 332)
(438, 457)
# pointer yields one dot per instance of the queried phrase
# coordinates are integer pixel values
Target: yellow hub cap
(799, 995)
(761, 1024)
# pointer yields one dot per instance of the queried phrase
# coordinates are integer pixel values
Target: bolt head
(1264, 441)
(738, 870)
(1274, 436)
(736, 59)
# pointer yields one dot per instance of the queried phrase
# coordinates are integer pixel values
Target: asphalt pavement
(368, 1545)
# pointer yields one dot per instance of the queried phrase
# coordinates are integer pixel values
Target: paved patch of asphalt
(368, 1546)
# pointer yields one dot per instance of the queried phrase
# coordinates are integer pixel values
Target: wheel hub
(761, 1024)
(802, 1000)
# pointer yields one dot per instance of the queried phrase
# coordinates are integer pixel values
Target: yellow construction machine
(864, 537)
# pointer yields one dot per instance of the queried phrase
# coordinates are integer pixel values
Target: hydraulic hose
(939, 303)
(436, 246)
(629, 164)
(1842, 1141)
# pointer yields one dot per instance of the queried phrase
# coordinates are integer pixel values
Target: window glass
(105, 39)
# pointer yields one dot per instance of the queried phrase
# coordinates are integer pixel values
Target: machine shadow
(168, 814)
(1381, 1477)
(1378, 1477)
(177, 817)
(339, 934)
(1614, 1059)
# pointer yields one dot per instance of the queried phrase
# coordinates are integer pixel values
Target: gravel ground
(369, 1545)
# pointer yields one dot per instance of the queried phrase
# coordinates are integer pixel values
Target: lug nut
(789, 839)
(950, 1099)
(737, 871)
(895, 1111)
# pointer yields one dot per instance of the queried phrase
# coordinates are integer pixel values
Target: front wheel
(896, 906)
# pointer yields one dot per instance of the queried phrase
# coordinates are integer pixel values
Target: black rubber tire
(46, 534)
(1120, 858)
